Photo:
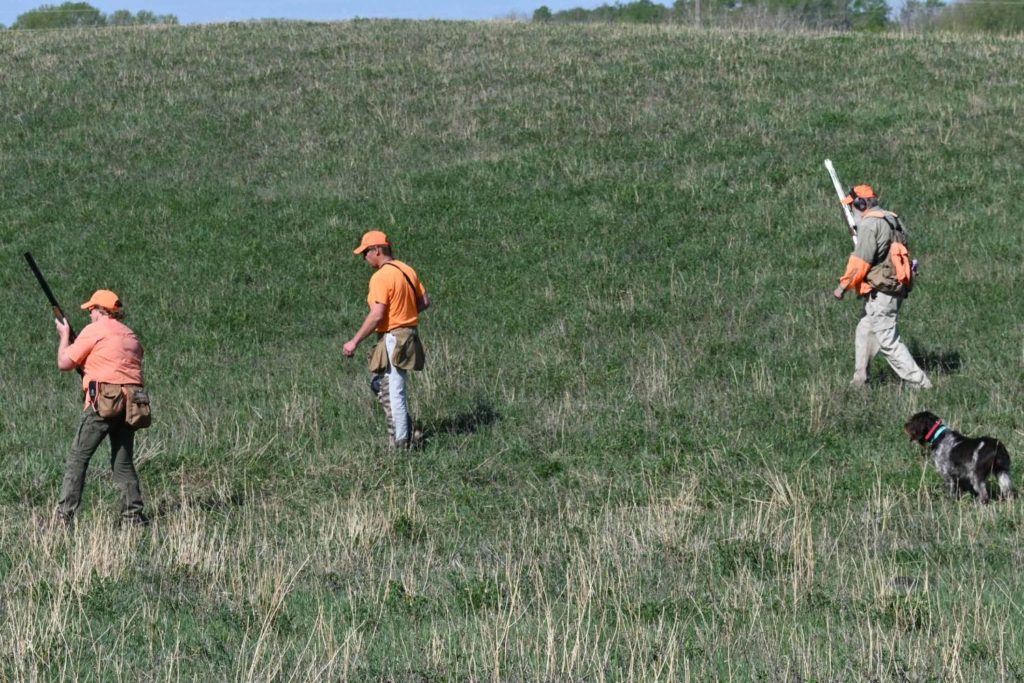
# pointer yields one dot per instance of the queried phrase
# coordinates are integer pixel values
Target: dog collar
(928, 436)
(938, 434)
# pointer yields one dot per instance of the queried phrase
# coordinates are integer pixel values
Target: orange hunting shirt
(388, 286)
(108, 351)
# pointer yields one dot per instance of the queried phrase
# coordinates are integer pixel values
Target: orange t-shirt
(388, 286)
(108, 351)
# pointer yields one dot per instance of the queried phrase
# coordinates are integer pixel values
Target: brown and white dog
(965, 463)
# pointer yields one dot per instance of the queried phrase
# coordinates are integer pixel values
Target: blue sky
(201, 11)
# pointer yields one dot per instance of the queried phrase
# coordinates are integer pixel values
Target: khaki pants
(876, 332)
(91, 431)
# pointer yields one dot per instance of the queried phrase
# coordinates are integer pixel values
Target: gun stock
(58, 312)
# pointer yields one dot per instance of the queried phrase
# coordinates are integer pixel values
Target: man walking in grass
(111, 358)
(880, 274)
(396, 298)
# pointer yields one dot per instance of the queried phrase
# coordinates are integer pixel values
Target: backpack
(894, 275)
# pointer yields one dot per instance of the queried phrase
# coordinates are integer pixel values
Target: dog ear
(917, 426)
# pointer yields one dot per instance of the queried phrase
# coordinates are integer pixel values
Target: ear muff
(859, 203)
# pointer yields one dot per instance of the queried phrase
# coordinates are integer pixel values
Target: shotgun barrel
(852, 224)
(58, 312)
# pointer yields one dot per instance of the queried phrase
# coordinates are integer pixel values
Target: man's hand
(349, 349)
(64, 361)
(838, 292)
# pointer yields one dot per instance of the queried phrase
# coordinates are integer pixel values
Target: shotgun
(58, 312)
(852, 224)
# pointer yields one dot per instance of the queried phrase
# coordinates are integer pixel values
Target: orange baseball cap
(862, 191)
(374, 238)
(103, 298)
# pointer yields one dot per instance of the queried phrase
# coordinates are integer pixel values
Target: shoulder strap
(415, 294)
(893, 224)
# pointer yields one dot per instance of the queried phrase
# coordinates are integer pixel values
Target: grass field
(644, 460)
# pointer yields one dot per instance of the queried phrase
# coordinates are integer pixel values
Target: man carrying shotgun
(880, 272)
(111, 358)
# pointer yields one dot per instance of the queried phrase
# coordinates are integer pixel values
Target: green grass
(645, 463)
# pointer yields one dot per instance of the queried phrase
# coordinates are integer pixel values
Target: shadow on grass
(937, 362)
(932, 362)
(480, 415)
(209, 503)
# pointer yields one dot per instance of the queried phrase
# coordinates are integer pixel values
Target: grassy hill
(644, 460)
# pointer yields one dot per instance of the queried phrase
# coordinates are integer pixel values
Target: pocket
(379, 357)
(419, 353)
(902, 268)
(109, 400)
(883, 277)
(409, 354)
(137, 410)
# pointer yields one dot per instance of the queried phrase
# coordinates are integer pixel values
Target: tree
(639, 11)
(918, 15)
(868, 15)
(145, 17)
(1006, 17)
(643, 12)
(121, 17)
(687, 11)
(67, 15)
(74, 14)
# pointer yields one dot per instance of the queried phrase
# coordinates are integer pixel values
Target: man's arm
(373, 318)
(859, 263)
(856, 270)
(64, 362)
(423, 303)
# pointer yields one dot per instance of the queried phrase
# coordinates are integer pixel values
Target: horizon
(197, 12)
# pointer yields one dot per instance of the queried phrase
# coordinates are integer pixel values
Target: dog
(963, 462)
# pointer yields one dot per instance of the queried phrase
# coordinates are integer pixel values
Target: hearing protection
(859, 202)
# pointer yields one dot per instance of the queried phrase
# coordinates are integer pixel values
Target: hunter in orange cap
(859, 192)
(103, 298)
(373, 238)
(396, 298)
(110, 356)
(872, 273)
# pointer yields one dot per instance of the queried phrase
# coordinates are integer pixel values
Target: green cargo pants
(91, 430)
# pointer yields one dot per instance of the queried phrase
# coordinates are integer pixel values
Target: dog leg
(980, 487)
(1001, 468)
(953, 487)
(1005, 485)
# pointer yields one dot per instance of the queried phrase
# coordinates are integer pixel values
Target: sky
(205, 11)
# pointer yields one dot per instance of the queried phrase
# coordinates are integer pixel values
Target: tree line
(82, 14)
(996, 16)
